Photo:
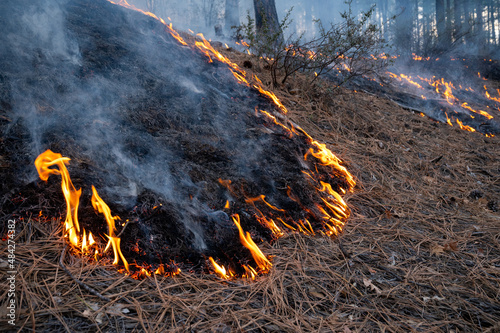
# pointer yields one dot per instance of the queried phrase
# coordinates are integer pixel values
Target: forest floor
(420, 252)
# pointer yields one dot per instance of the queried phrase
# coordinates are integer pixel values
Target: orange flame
(221, 270)
(448, 121)
(445, 89)
(408, 78)
(481, 112)
(464, 127)
(487, 94)
(319, 151)
(262, 198)
(250, 272)
(420, 58)
(262, 262)
(272, 96)
(326, 157)
(103, 208)
(71, 195)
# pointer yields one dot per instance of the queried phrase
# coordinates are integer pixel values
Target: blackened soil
(153, 125)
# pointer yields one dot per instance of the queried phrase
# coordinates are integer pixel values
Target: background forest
(424, 27)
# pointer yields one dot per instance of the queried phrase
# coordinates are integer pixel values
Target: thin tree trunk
(404, 26)
(449, 21)
(232, 14)
(443, 40)
(480, 27)
(428, 20)
(457, 20)
(468, 17)
(266, 18)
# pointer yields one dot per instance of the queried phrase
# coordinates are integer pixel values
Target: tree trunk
(151, 5)
(266, 18)
(232, 14)
(443, 36)
(480, 32)
(468, 14)
(427, 40)
(449, 21)
(404, 27)
(457, 21)
(491, 25)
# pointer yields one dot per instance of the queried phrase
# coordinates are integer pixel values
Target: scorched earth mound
(172, 142)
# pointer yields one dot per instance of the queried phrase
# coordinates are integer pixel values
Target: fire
(220, 270)
(100, 206)
(465, 127)
(263, 199)
(420, 58)
(406, 77)
(483, 113)
(448, 92)
(268, 222)
(446, 89)
(326, 156)
(488, 96)
(272, 96)
(174, 33)
(332, 209)
(72, 196)
(78, 238)
(262, 262)
(87, 242)
(448, 121)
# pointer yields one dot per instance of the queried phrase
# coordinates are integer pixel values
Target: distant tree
(457, 19)
(404, 26)
(231, 14)
(479, 26)
(266, 18)
(444, 35)
(151, 5)
(349, 44)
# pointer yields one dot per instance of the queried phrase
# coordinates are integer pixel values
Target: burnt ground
(464, 75)
(419, 253)
(155, 127)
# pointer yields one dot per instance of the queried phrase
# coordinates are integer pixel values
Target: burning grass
(161, 153)
(420, 252)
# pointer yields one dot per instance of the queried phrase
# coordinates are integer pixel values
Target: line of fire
(230, 204)
(231, 173)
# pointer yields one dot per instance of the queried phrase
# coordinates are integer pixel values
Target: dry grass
(419, 254)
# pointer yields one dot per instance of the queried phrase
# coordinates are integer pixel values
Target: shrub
(353, 46)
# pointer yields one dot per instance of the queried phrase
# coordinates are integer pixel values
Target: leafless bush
(354, 46)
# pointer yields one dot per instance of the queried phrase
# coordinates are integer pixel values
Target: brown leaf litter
(420, 252)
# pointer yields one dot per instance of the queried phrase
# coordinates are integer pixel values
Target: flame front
(446, 90)
(331, 211)
(262, 262)
(79, 239)
(43, 164)
(100, 206)
(220, 270)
